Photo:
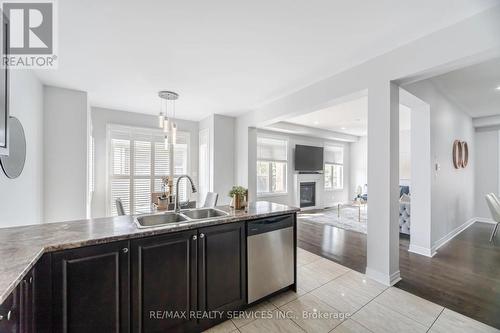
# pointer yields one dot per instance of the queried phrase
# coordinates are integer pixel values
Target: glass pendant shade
(161, 119)
(166, 141)
(166, 125)
(174, 133)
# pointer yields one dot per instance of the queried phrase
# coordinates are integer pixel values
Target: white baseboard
(385, 279)
(432, 251)
(423, 251)
(485, 220)
(452, 234)
(311, 208)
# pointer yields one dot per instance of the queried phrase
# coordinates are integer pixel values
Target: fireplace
(307, 194)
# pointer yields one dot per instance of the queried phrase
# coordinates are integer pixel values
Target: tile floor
(328, 291)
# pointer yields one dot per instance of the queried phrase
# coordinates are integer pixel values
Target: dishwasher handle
(269, 224)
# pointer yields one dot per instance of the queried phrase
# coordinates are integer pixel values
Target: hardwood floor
(463, 276)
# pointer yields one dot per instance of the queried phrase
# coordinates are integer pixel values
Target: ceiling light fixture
(343, 128)
(165, 121)
(498, 88)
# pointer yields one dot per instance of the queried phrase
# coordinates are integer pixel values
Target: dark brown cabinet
(9, 313)
(176, 275)
(91, 289)
(164, 283)
(17, 312)
(27, 303)
(221, 267)
(152, 284)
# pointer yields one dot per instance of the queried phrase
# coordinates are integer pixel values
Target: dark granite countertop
(21, 247)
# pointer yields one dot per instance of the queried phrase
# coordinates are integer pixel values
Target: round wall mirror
(13, 164)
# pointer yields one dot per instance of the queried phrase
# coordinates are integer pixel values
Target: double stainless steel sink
(154, 220)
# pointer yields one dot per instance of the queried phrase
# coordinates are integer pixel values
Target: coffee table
(354, 203)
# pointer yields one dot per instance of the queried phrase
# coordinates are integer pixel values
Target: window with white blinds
(137, 162)
(272, 160)
(334, 168)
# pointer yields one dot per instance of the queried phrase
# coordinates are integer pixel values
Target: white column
(421, 174)
(252, 164)
(383, 183)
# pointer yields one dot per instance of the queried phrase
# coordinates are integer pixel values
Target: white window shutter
(334, 155)
(120, 150)
(161, 159)
(142, 193)
(138, 161)
(120, 189)
(142, 158)
(271, 149)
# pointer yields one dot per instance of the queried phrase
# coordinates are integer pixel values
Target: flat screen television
(4, 87)
(308, 158)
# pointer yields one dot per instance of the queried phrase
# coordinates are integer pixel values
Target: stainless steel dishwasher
(270, 251)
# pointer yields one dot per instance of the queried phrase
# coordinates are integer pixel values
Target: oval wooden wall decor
(465, 154)
(460, 154)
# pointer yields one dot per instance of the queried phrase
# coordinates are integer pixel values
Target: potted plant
(162, 202)
(238, 195)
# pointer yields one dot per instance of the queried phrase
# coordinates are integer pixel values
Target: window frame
(133, 134)
(331, 164)
(270, 162)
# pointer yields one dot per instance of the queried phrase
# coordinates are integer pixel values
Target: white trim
(485, 220)
(385, 279)
(452, 234)
(423, 251)
(432, 252)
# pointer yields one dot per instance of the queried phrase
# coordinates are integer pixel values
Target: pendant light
(168, 123)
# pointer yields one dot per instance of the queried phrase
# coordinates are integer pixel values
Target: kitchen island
(108, 275)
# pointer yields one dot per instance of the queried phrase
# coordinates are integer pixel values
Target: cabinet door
(222, 267)
(164, 283)
(91, 289)
(42, 288)
(27, 303)
(9, 313)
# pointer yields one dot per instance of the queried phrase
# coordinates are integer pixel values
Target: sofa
(404, 210)
(404, 218)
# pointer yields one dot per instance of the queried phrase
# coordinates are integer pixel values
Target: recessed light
(343, 128)
(316, 122)
(498, 88)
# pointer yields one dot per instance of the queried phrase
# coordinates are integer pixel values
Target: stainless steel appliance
(270, 251)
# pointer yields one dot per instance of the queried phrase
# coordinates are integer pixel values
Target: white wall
(405, 157)
(486, 155)
(359, 164)
(21, 199)
(359, 161)
(223, 156)
(101, 117)
(478, 38)
(65, 154)
(452, 190)
(329, 197)
(222, 161)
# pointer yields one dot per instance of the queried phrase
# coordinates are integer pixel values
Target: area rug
(348, 217)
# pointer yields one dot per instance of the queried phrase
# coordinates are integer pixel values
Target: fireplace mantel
(317, 178)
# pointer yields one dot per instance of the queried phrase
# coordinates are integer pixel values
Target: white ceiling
(349, 117)
(473, 88)
(226, 56)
